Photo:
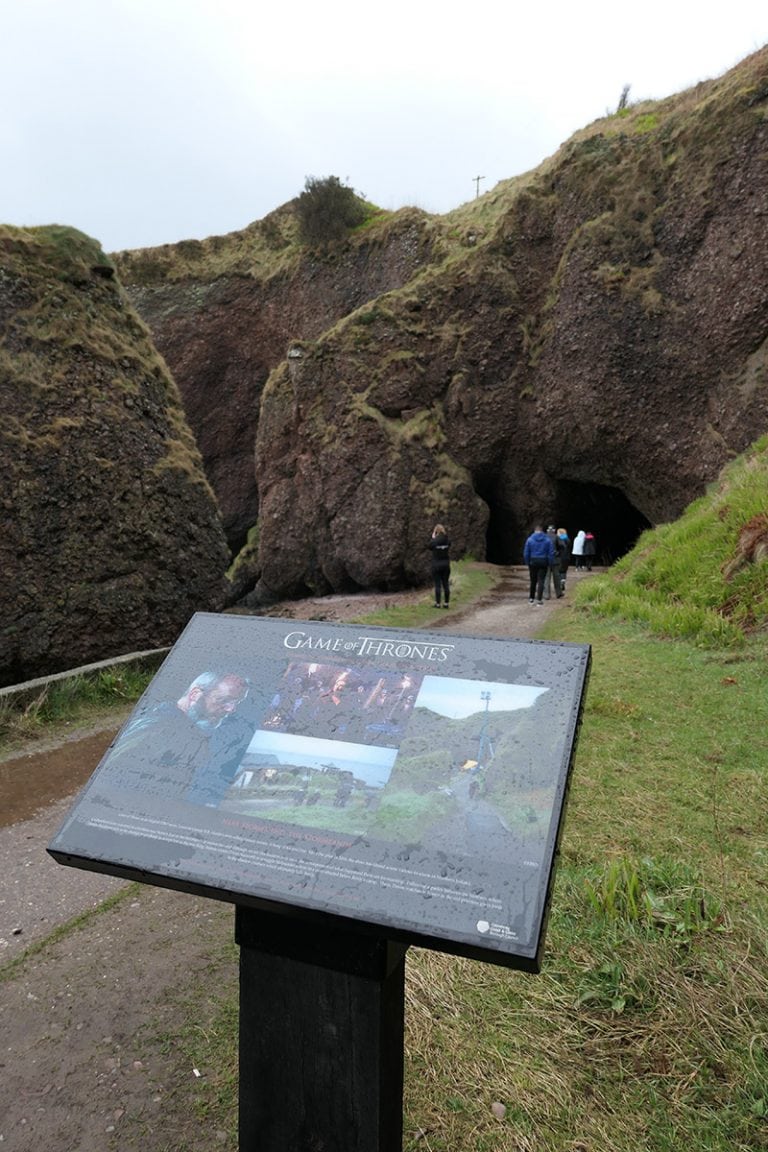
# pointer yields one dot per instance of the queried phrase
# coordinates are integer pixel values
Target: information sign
(411, 784)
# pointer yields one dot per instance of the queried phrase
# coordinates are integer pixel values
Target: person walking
(564, 542)
(441, 564)
(553, 573)
(539, 556)
(578, 549)
(589, 550)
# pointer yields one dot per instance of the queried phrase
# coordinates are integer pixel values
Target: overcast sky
(449, 696)
(144, 122)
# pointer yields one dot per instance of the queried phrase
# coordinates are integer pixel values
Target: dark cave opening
(602, 510)
(499, 541)
(597, 508)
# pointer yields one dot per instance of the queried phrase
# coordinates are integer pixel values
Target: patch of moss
(646, 123)
(425, 428)
(248, 555)
(402, 356)
(71, 252)
(437, 495)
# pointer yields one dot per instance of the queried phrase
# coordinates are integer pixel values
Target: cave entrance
(498, 546)
(602, 510)
(597, 508)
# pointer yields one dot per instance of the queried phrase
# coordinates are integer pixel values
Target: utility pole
(477, 180)
(484, 744)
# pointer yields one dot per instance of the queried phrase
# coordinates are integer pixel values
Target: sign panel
(413, 783)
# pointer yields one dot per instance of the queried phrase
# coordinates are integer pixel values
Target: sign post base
(321, 1037)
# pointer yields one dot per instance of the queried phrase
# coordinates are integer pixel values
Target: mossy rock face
(224, 313)
(351, 495)
(111, 535)
(606, 329)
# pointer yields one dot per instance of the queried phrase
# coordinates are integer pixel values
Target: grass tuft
(71, 700)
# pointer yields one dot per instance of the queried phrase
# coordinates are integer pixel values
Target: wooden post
(321, 1037)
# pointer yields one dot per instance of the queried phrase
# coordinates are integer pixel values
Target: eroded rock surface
(111, 537)
(222, 327)
(599, 356)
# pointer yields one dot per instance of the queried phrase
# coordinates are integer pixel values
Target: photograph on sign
(365, 705)
(412, 783)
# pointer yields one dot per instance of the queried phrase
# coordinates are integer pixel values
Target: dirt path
(92, 1056)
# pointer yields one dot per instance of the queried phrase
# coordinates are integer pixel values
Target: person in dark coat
(554, 573)
(564, 541)
(164, 749)
(539, 556)
(589, 550)
(441, 564)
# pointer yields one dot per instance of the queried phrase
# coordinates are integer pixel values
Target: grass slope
(676, 580)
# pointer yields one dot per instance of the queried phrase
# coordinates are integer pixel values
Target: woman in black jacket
(441, 564)
(589, 551)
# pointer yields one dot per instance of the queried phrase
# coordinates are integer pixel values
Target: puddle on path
(34, 780)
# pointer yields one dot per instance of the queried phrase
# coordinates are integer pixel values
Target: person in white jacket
(578, 549)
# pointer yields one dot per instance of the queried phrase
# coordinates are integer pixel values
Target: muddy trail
(96, 973)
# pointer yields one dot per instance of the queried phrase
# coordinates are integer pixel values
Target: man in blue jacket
(539, 555)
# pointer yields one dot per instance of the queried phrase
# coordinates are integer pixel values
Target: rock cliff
(223, 311)
(111, 536)
(595, 359)
(585, 344)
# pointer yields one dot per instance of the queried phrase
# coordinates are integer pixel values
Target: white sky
(457, 699)
(144, 122)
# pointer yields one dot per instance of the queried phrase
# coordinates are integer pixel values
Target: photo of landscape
(306, 780)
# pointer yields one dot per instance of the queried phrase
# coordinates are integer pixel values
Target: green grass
(673, 582)
(72, 700)
(646, 1029)
(469, 581)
